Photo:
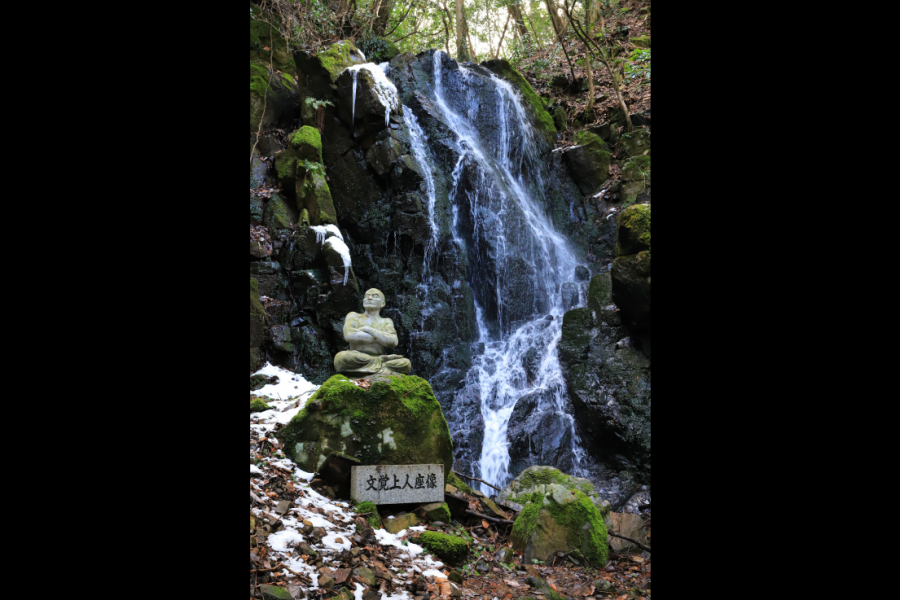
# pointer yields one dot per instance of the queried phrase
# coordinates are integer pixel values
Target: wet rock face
(631, 274)
(539, 435)
(608, 380)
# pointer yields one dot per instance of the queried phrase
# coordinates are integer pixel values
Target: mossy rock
(631, 277)
(258, 405)
(634, 230)
(338, 57)
(257, 319)
(374, 518)
(317, 199)
(394, 422)
(560, 119)
(600, 292)
(459, 484)
(448, 548)
(637, 169)
(636, 143)
(536, 479)
(278, 215)
(642, 41)
(589, 162)
(556, 519)
(308, 143)
(636, 178)
(439, 511)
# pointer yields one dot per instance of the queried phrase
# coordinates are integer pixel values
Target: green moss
(258, 406)
(337, 58)
(318, 201)
(354, 421)
(574, 517)
(527, 521)
(374, 519)
(277, 216)
(257, 318)
(634, 230)
(459, 483)
(308, 142)
(448, 548)
(440, 513)
(600, 293)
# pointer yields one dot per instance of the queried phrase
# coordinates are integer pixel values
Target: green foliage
(638, 66)
(377, 49)
(316, 104)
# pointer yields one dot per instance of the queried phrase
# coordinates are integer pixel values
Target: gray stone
(398, 484)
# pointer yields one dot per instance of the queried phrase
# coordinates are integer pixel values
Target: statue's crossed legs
(359, 364)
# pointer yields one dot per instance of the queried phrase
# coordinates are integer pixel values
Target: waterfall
(420, 151)
(520, 261)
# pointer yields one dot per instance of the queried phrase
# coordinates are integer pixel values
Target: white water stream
(499, 376)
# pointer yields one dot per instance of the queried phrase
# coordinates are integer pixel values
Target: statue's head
(373, 299)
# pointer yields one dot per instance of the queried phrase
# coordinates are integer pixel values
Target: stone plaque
(398, 484)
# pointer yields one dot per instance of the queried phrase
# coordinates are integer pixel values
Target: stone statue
(369, 335)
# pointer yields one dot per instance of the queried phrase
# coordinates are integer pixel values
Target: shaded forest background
(589, 59)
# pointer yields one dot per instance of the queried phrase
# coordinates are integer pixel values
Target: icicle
(355, 74)
(384, 89)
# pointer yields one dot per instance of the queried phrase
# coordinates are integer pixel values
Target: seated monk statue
(369, 335)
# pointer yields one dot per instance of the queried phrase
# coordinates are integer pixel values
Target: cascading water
(420, 151)
(520, 264)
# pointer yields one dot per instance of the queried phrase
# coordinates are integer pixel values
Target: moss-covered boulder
(278, 215)
(394, 422)
(308, 143)
(634, 230)
(258, 405)
(448, 548)
(631, 273)
(589, 162)
(635, 178)
(439, 511)
(317, 198)
(536, 479)
(338, 57)
(556, 519)
(369, 509)
(560, 119)
(636, 143)
(632, 290)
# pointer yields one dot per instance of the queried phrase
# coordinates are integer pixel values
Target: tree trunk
(591, 10)
(516, 13)
(383, 18)
(462, 52)
(561, 24)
